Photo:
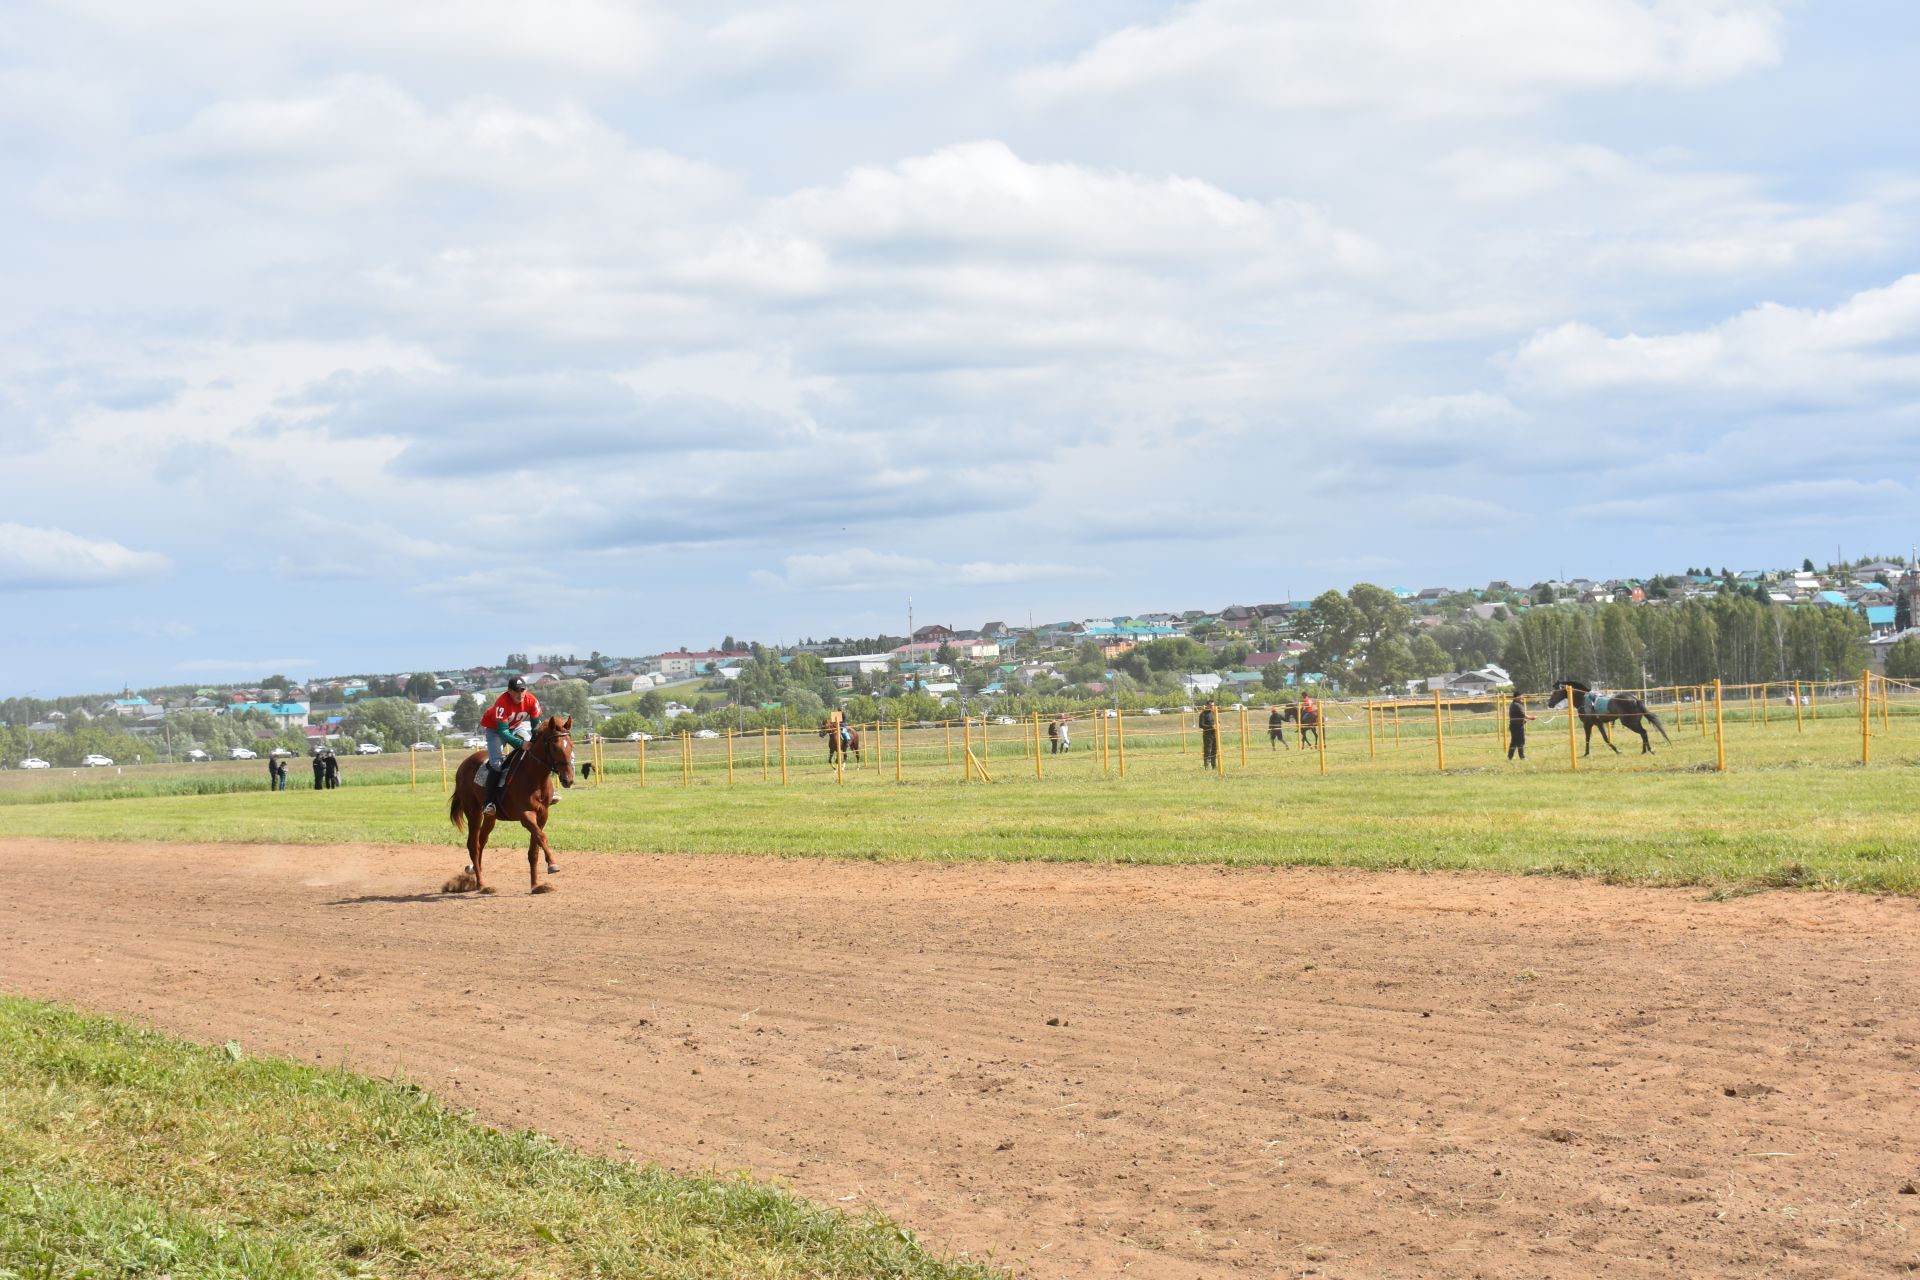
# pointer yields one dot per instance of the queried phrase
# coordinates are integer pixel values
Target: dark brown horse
(526, 798)
(1597, 709)
(1308, 718)
(835, 743)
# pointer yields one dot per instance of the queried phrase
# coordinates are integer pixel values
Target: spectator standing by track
(1066, 734)
(1210, 736)
(1517, 719)
(319, 771)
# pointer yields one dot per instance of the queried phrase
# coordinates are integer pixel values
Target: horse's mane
(1575, 684)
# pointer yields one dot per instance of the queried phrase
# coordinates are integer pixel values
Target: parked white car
(367, 749)
(97, 762)
(197, 756)
(706, 733)
(426, 746)
(477, 741)
(280, 753)
(1004, 720)
(639, 737)
(1151, 711)
(242, 753)
(34, 762)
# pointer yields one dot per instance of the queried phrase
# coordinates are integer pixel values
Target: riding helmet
(517, 685)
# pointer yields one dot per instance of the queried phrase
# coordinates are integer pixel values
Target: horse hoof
(552, 870)
(543, 887)
(487, 888)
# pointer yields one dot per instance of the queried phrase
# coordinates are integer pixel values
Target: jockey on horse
(509, 725)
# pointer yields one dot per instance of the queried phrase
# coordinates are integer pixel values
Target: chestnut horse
(835, 744)
(526, 797)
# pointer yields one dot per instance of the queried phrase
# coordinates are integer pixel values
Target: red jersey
(511, 711)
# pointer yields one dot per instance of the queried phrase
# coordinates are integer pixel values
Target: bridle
(541, 741)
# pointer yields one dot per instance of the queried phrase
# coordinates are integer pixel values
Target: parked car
(197, 756)
(426, 746)
(242, 753)
(34, 762)
(1151, 711)
(475, 740)
(97, 761)
(1111, 714)
(1004, 720)
(367, 749)
(706, 733)
(279, 753)
(637, 736)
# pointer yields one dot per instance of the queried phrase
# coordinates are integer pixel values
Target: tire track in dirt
(1084, 1070)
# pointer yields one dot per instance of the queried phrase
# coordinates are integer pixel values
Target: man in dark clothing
(1277, 729)
(1517, 718)
(1209, 737)
(333, 771)
(319, 772)
(1053, 734)
(273, 773)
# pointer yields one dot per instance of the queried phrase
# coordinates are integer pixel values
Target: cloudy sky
(362, 336)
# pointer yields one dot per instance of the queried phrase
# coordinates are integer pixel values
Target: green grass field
(1794, 808)
(126, 1153)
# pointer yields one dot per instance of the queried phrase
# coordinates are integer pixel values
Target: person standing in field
(319, 771)
(1210, 736)
(1517, 719)
(1276, 729)
(1053, 734)
(333, 771)
(1066, 732)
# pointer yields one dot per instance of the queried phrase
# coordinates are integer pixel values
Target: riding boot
(494, 781)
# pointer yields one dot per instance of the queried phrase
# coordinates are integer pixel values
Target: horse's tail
(1654, 720)
(457, 812)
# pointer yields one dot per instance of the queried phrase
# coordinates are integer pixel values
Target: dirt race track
(1086, 1070)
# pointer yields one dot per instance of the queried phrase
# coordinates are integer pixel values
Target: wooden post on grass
(443, 766)
(783, 753)
(899, 769)
(686, 759)
(729, 757)
(947, 727)
(640, 756)
(413, 770)
(1120, 736)
(1719, 730)
(1573, 743)
(1320, 739)
(1369, 728)
(1396, 723)
(1866, 717)
(766, 757)
(1439, 734)
(1036, 747)
(1243, 735)
(966, 748)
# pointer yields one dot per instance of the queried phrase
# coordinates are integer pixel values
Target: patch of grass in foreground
(127, 1153)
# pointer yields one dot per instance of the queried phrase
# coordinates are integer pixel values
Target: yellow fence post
(1866, 717)
(413, 770)
(443, 766)
(1036, 747)
(686, 759)
(1243, 735)
(966, 748)
(1106, 759)
(1700, 700)
(1183, 733)
(1883, 702)
(947, 727)
(766, 757)
(783, 753)
(986, 749)
(1120, 736)
(1320, 739)
(1396, 723)
(1798, 727)
(729, 757)
(1500, 723)
(1719, 730)
(1369, 728)
(899, 768)
(640, 756)
(1573, 743)
(1439, 733)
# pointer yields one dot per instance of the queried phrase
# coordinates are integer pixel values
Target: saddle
(484, 775)
(1597, 703)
